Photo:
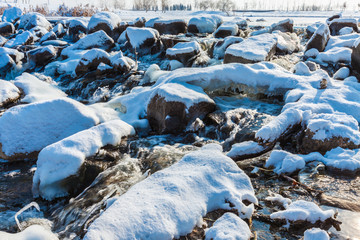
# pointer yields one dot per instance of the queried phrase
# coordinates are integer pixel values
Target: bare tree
(164, 5)
(225, 6)
(118, 4)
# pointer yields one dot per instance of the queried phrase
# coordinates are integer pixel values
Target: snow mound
(63, 159)
(316, 233)
(25, 129)
(34, 232)
(8, 92)
(171, 202)
(303, 210)
(36, 90)
(228, 226)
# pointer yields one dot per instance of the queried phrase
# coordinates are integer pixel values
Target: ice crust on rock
(169, 203)
(228, 226)
(64, 158)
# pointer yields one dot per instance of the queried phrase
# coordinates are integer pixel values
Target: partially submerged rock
(173, 106)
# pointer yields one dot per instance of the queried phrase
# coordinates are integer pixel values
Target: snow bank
(227, 227)
(25, 129)
(63, 159)
(8, 92)
(316, 233)
(303, 210)
(171, 202)
(34, 232)
(36, 90)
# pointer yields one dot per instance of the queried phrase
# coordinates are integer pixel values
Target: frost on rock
(8, 93)
(171, 202)
(227, 227)
(316, 234)
(305, 211)
(36, 90)
(34, 232)
(26, 129)
(252, 50)
(63, 159)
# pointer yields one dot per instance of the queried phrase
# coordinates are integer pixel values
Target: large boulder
(31, 20)
(26, 129)
(25, 38)
(254, 49)
(227, 29)
(174, 26)
(11, 14)
(41, 56)
(286, 25)
(337, 24)
(6, 28)
(184, 52)
(355, 56)
(319, 39)
(143, 40)
(173, 106)
(8, 93)
(107, 21)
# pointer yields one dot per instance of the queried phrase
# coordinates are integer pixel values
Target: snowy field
(180, 125)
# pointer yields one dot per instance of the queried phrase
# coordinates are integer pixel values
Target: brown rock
(6, 29)
(337, 24)
(319, 39)
(173, 27)
(42, 56)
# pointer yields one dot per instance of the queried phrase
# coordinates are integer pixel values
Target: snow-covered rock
(6, 28)
(59, 30)
(36, 90)
(25, 38)
(184, 52)
(319, 39)
(244, 150)
(61, 160)
(91, 60)
(77, 27)
(251, 50)
(301, 69)
(286, 25)
(8, 93)
(287, 43)
(97, 39)
(311, 29)
(106, 21)
(34, 19)
(48, 36)
(305, 211)
(171, 202)
(342, 73)
(221, 46)
(173, 26)
(26, 129)
(34, 232)
(335, 55)
(337, 24)
(121, 63)
(41, 56)
(228, 226)
(7, 64)
(226, 29)
(241, 22)
(173, 106)
(143, 40)
(355, 56)
(11, 14)
(316, 234)
(202, 24)
(285, 162)
(311, 53)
